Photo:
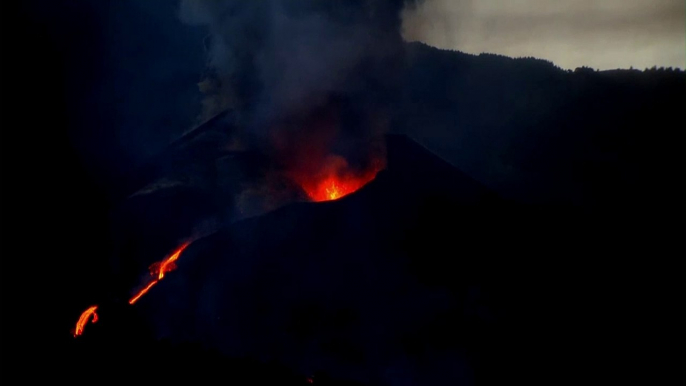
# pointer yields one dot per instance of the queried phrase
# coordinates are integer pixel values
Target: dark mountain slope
(539, 133)
(427, 276)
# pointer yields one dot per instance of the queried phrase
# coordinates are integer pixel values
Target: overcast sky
(603, 34)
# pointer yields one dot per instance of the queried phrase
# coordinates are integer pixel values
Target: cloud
(605, 35)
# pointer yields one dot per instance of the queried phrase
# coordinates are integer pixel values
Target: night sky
(563, 189)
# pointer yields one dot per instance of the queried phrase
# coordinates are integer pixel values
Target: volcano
(422, 274)
(418, 272)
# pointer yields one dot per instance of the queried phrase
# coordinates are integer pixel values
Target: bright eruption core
(333, 188)
(336, 180)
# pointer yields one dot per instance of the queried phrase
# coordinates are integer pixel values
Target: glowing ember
(84, 318)
(159, 269)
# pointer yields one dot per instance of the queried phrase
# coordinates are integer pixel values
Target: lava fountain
(88, 315)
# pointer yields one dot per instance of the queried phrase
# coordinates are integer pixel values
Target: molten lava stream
(84, 318)
(142, 292)
(159, 269)
(167, 265)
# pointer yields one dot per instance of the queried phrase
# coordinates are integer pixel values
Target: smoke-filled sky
(603, 34)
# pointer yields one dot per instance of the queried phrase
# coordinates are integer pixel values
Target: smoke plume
(313, 82)
(274, 57)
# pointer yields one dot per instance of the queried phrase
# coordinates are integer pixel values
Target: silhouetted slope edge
(538, 133)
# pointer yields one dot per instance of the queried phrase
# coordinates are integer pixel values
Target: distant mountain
(535, 132)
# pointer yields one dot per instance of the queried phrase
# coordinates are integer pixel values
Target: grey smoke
(273, 58)
(310, 81)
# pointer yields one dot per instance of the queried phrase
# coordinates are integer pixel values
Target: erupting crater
(327, 180)
(335, 180)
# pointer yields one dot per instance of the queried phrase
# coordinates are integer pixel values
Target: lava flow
(159, 269)
(84, 318)
(168, 264)
(142, 292)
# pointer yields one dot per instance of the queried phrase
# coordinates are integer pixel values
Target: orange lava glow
(159, 269)
(84, 318)
(333, 187)
(168, 264)
(336, 180)
(142, 292)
